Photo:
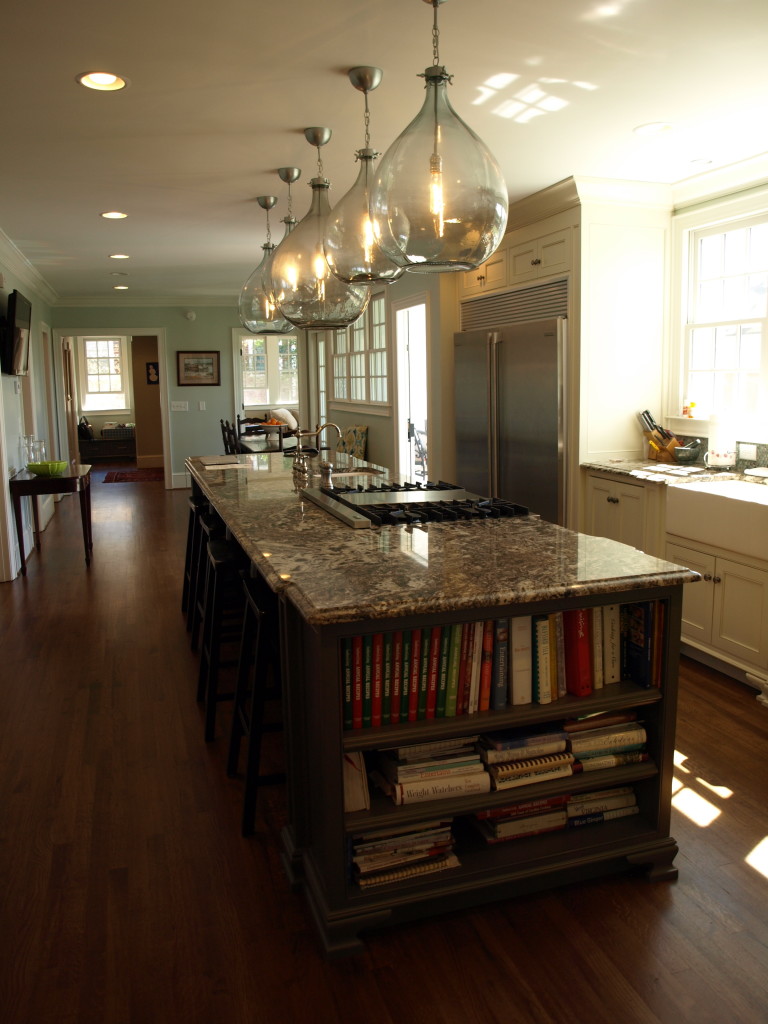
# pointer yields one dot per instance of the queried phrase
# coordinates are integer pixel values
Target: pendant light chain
(367, 120)
(435, 36)
(269, 230)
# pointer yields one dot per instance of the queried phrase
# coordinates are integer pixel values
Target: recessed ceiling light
(117, 273)
(114, 215)
(103, 81)
(653, 128)
(119, 256)
(121, 287)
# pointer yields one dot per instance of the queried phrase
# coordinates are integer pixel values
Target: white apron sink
(731, 514)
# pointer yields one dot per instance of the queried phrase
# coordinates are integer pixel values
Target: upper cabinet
(515, 263)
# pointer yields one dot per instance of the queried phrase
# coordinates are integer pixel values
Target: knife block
(660, 449)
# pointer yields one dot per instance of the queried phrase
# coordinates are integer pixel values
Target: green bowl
(46, 468)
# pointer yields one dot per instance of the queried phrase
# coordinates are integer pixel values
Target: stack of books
(549, 814)
(596, 745)
(605, 805)
(431, 771)
(393, 855)
(525, 772)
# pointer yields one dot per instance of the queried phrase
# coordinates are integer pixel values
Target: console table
(26, 484)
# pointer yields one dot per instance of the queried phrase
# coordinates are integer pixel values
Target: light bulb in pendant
(439, 197)
(257, 309)
(351, 233)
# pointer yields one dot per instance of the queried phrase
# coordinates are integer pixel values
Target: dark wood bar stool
(258, 680)
(223, 605)
(209, 527)
(197, 505)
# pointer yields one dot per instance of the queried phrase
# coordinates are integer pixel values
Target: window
(269, 369)
(359, 361)
(104, 374)
(725, 353)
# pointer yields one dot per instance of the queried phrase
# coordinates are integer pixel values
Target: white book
(611, 644)
(520, 677)
(596, 624)
(542, 662)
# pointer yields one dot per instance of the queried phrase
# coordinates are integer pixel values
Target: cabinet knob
(612, 500)
(707, 576)
(481, 278)
(716, 579)
(536, 262)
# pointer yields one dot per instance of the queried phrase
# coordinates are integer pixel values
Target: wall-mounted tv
(14, 351)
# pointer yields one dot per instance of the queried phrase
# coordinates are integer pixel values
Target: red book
(434, 670)
(415, 674)
(578, 652)
(357, 682)
(486, 667)
(462, 695)
(378, 678)
(397, 675)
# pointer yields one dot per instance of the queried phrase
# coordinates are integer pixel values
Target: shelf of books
(479, 757)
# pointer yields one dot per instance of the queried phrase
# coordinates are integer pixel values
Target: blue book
(500, 676)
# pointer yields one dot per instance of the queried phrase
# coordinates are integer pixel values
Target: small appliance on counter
(722, 445)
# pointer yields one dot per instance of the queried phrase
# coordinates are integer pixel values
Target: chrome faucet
(300, 463)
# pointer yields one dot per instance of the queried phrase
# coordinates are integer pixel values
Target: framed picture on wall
(196, 369)
(153, 373)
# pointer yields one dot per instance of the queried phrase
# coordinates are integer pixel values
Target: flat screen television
(14, 351)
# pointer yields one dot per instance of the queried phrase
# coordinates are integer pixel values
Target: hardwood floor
(129, 896)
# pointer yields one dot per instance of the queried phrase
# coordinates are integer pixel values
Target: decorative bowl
(686, 454)
(46, 468)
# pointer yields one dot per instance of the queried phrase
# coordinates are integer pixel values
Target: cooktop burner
(408, 504)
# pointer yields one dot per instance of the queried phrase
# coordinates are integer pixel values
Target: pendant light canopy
(306, 292)
(351, 235)
(258, 312)
(439, 197)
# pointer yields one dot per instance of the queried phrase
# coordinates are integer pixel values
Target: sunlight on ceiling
(531, 100)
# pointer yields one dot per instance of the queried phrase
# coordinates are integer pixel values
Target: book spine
(596, 632)
(611, 644)
(593, 764)
(532, 777)
(367, 680)
(378, 678)
(578, 655)
(476, 665)
(520, 662)
(521, 753)
(524, 808)
(386, 691)
(486, 666)
(414, 673)
(417, 792)
(500, 684)
(411, 871)
(598, 817)
(606, 804)
(637, 642)
(542, 677)
(433, 671)
(397, 676)
(557, 654)
(405, 697)
(462, 700)
(453, 671)
(527, 826)
(426, 647)
(573, 725)
(346, 669)
(529, 764)
(357, 682)
(581, 743)
(442, 678)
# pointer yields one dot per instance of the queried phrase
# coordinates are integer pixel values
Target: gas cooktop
(391, 504)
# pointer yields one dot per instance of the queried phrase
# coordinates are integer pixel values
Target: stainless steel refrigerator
(510, 414)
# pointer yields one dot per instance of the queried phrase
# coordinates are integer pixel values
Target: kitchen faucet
(300, 463)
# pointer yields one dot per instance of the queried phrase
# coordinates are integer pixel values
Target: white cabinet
(489, 276)
(726, 613)
(616, 509)
(540, 257)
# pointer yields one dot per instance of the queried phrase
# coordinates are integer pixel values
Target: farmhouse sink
(731, 514)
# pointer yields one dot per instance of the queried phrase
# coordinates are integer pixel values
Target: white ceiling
(220, 93)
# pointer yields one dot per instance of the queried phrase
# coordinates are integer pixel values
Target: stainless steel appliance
(510, 413)
(392, 504)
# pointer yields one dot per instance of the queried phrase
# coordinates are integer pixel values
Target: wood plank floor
(128, 895)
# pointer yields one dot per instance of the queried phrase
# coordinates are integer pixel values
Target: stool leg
(242, 686)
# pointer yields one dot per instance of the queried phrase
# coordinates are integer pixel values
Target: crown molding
(146, 302)
(17, 264)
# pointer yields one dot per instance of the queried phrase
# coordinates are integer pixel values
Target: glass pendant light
(351, 235)
(439, 195)
(307, 293)
(258, 312)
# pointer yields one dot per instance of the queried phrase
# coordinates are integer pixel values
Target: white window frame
(721, 215)
(360, 355)
(94, 406)
(273, 372)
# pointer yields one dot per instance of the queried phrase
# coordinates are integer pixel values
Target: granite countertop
(658, 472)
(334, 574)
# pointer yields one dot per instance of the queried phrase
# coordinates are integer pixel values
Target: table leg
(36, 519)
(19, 532)
(85, 515)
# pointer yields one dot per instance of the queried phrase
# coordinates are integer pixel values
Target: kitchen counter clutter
(342, 590)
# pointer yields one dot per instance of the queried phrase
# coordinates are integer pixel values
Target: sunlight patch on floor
(758, 857)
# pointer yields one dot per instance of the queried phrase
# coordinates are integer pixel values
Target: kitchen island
(335, 583)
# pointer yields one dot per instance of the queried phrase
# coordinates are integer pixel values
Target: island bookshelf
(317, 838)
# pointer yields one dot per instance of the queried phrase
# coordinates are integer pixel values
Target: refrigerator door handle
(494, 339)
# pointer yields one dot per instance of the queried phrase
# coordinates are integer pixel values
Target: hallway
(129, 897)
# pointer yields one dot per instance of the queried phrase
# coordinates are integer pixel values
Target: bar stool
(222, 623)
(197, 505)
(258, 679)
(210, 527)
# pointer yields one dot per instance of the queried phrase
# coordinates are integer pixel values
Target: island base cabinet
(317, 840)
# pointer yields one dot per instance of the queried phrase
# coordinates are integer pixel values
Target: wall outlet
(179, 406)
(748, 452)
(201, 406)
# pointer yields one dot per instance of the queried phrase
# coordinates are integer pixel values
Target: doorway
(411, 440)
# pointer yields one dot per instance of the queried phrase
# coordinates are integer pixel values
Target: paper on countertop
(223, 462)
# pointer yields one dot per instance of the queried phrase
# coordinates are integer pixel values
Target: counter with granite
(334, 574)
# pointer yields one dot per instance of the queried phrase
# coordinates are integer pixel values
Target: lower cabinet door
(740, 613)
(697, 597)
